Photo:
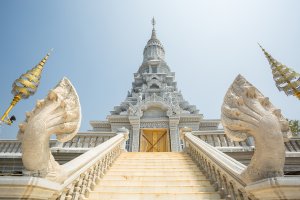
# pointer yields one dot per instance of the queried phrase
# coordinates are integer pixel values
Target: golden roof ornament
(24, 87)
(286, 79)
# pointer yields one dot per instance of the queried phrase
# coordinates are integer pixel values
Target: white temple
(154, 110)
(154, 145)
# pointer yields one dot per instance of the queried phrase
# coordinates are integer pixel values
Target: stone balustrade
(224, 174)
(82, 174)
(222, 170)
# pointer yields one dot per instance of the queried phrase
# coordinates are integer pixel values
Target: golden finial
(286, 79)
(24, 87)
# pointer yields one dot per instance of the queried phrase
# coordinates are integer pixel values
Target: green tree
(294, 126)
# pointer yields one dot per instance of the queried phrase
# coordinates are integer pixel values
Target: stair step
(154, 178)
(156, 196)
(158, 161)
(154, 173)
(154, 157)
(155, 164)
(153, 169)
(160, 183)
(154, 154)
(153, 189)
(150, 167)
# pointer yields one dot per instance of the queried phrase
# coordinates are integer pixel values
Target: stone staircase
(158, 176)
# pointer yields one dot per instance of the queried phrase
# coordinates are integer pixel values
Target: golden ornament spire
(24, 87)
(286, 79)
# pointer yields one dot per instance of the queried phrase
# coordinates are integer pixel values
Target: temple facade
(154, 109)
(197, 159)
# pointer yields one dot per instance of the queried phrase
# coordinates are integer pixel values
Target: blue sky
(98, 45)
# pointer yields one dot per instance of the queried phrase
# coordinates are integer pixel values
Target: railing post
(99, 171)
(124, 131)
(183, 131)
(215, 184)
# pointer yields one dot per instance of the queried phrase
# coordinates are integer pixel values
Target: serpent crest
(246, 112)
(59, 113)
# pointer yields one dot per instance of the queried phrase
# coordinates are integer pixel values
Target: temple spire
(153, 22)
(153, 36)
(153, 50)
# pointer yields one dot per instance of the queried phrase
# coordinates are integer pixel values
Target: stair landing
(159, 176)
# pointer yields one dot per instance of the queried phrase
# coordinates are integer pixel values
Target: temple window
(154, 69)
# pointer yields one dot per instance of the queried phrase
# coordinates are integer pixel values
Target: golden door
(154, 140)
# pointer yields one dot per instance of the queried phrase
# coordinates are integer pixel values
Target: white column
(135, 123)
(174, 135)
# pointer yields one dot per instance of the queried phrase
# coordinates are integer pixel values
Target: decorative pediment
(168, 104)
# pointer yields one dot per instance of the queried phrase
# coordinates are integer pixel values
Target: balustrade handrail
(84, 171)
(83, 162)
(80, 175)
(226, 162)
(225, 174)
(223, 171)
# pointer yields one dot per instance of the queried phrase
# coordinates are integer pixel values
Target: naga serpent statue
(59, 113)
(246, 112)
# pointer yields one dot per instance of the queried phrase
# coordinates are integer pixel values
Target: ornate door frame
(153, 143)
